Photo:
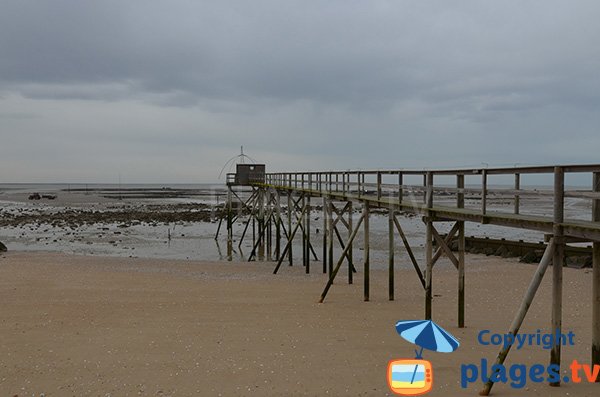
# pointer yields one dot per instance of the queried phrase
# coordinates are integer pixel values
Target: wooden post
(330, 208)
(400, 190)
(483, 192)
(261, 223)
(460, 203)
(278, 225)
(341, 260)
(303, 220)
(367, 247)
(596, 280)
(229, 224)
(557, 265)
(269, 224)
(525, 304)
(378, 185)
(425, 186)
(350, 255)
(391, 254)
(290, 208)
(307, 232)
(325, 216)
(428, 246)
(517, 196)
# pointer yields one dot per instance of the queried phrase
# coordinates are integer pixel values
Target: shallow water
(195, 240)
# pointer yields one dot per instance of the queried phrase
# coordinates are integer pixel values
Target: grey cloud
(339, 83)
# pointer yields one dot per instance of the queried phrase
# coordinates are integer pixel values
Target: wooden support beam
(367, 263)
(289, 243)
(304, 249)
(307, 233)
(350, 250)
(410, 252)
(439, 251)
(596, 280)
(343, 246)
(517, 196)
(525, 304)
(557, 265)
(341, 260)
(429, 248)
(460, 203)
(261, 223)
(229, 224)
(400, 191)
(391, 217)
(484, 192)
(290, 208)
(325, 231)
(444, 247)
(340, 215)
(278, 225)
(330, 227)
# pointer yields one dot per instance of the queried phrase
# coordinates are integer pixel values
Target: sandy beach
(105, 326)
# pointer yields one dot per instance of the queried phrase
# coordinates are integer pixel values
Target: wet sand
(105, 326)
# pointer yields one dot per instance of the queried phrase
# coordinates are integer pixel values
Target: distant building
(246, 174)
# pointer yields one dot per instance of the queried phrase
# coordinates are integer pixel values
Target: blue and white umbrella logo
(427, 335)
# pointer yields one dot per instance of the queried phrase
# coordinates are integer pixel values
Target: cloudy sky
(167, 91)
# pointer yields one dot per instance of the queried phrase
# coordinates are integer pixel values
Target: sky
(168, 91)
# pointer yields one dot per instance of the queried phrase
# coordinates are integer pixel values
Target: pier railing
(486, 195)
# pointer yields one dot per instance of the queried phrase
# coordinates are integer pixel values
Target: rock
(454, 245)
(501, 251)
(3, 247)
(475, 250)
(489, 251)
(532, 257)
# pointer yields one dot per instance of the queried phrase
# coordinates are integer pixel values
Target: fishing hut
(281, 205)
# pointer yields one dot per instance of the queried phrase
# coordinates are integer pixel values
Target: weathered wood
(290, 208)
(400, 191)
(557, 265)
(444, 247)
(289, 243)
(325, 231)
(517, 195)
(261, 224)
(596, 280)
(378, 185)
(229, 224)
(391, 217)
(367, 263)
(341, 260)
(350, 250)
(429, 249)
(343, 246)
(307, 234)
(522, 312)
(410, 252)
(440, 251)
(484, 192)
(331, 225)
(278, 224)
(460, 203)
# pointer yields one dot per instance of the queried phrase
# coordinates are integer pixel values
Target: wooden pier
(444, 195)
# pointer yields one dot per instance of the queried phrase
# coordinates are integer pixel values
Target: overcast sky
(167, 91)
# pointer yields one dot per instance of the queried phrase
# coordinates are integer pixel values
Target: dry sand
(78, 326)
